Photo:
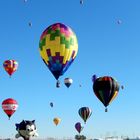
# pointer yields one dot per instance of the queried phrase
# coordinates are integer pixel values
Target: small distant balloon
(68, 82)
(51, 104)
(79, 127)
(81, 1)
(25, 0)
(30, 24)
(119, 21)
(122, 87)
(94, 77)
(56, 121)
(10, 66)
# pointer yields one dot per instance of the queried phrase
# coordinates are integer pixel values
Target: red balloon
(10, 66)
(9, 106)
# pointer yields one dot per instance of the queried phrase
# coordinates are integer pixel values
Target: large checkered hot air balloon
(9, 106)
(58, 48)
(106, 89)
(10, 66)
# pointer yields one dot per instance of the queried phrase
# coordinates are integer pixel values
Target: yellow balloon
(56, 121)
(58, 48)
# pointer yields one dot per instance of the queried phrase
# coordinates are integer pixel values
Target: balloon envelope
(51, 104)
(119, 21)
(56, 121)
(85, 113)
(10, 66)
(78, 127)
(106, 89)
(9, 106)
(94, 77)
(68, 82)
(81, 1)
(58, 48)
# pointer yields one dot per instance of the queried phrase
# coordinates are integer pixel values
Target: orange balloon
(56, 121)
(10, 66)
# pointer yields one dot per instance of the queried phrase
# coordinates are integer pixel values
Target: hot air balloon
(10, 66)
(30, 24)
(9, 106)
(68, 82)
(106, 89)
(81, 1)
(119, 21)
(122, 87)
(79, 127)
(26, 129)
(56, 121)
(80, 85)
(58, 48)
(94, 77)
(51, 104)
(85, 113)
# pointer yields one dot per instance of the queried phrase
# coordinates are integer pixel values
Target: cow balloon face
(26, 129)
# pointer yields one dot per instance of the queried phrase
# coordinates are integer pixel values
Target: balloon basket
(58, 84)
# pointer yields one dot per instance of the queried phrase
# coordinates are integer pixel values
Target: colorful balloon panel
(9, 106)
(10, 66)
(58, 48)
(106, 89)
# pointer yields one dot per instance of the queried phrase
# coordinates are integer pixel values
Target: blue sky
(105, 48)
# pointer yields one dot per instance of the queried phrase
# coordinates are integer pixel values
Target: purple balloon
(94, 77)
(78, 127)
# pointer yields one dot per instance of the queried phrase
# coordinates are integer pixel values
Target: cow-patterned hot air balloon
(58, 48)
(9, 106)
(10, 66)
(106, 89)
(85, 113)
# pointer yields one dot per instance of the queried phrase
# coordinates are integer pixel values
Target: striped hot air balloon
(106, 89)
(58, 48)
(10, 66)
(9, 106)
(85, 113)
(68, 82)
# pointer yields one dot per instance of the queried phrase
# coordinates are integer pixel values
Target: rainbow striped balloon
(58, 48)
